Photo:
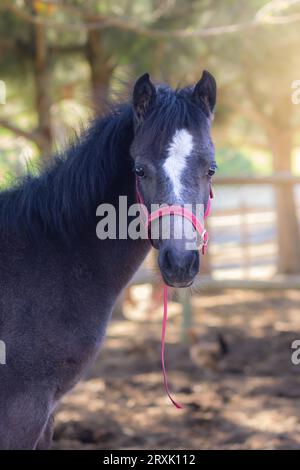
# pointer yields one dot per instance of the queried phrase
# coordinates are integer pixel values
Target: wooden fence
(261, 214)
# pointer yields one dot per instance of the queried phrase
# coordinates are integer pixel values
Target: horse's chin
(177, 284)
(180, 285)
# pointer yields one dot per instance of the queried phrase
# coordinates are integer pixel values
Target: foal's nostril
(168, 260)
(194, 263)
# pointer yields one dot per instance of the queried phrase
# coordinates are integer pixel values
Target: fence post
(185, 301)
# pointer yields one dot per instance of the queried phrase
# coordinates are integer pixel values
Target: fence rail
(276, 178)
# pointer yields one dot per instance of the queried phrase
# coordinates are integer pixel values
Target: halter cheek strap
(199, 227)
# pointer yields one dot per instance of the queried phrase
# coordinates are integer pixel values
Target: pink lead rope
(174, 210)
(163, 338)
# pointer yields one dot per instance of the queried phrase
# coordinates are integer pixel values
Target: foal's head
(174, 161)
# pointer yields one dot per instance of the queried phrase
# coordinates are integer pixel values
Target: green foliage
(233, 162)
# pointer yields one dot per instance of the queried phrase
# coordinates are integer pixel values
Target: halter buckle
(204, 237)
(203, 240)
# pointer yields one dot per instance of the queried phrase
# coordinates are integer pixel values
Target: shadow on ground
(248, 398)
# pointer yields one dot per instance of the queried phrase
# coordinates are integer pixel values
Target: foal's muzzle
(178, 267)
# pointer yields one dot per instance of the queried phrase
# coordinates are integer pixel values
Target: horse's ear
(205, 92)
(144, 94)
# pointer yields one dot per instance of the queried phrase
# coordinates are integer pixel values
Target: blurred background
(229, 339)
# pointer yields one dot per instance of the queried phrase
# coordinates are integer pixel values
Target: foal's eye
(139, 171)
(211, 171)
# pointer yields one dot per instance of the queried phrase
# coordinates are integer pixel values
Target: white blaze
(179, 150)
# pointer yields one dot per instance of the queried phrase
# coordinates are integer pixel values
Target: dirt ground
(234, 377)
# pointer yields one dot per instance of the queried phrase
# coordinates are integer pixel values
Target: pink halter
(199, 227)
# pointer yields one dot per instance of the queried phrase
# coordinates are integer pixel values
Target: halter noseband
(200, 229)
(181, 211)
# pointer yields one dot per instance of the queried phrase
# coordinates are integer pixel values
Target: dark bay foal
(58, 281)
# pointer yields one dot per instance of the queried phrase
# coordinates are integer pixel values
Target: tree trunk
(42, 91)
(101, 67)
(287, 221)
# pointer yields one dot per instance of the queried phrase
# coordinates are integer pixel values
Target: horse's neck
(119, 258)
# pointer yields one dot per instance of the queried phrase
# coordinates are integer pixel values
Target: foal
(58, 281)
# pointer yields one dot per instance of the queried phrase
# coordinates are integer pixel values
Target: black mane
(65, 196)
